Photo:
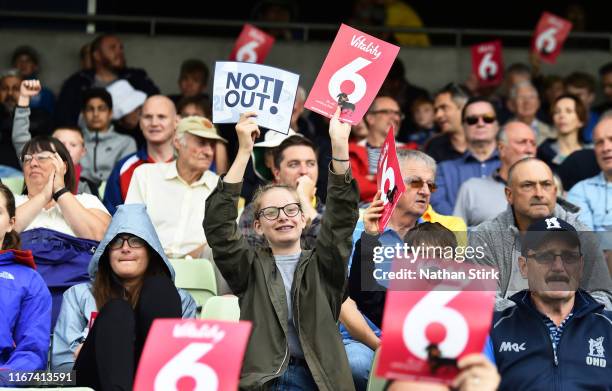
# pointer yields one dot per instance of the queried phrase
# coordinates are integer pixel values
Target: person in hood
(292, 295)
(25, 302)
(103, 324)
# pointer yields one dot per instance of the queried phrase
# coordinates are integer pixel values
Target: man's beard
(10, 104)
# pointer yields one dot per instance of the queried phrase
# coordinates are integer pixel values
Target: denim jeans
(297, 377)
(360, 359)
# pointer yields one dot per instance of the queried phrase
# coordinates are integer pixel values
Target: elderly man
(384, 113)
(448, 104)
(524, 102)
(158, 122)
(480, 160)
(532, 195)
(419, 171)
(294, 165)
(552, 261)
(481, 199)
(173, 192)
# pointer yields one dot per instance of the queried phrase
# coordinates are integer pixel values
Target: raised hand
(247, 131)
(60, 171)
(338, 130)
(27, 90)
(372, 214)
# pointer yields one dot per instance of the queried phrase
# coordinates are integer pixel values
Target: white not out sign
(240, 87)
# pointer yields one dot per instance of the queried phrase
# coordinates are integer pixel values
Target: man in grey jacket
(531, 195)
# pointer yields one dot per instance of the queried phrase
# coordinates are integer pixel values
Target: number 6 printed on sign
(354, 69)
(389, 179)
(430, 311)
(549, 36)
(252, 45)
(189, 354)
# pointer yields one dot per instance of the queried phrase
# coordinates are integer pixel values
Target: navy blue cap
(540, 230)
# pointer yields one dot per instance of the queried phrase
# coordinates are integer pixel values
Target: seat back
(14, 183)
(196, 276)
(222, 308)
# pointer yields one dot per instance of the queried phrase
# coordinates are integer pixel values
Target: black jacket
(70, 98)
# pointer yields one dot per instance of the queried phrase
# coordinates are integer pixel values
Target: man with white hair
(524, 102)
(174, 192)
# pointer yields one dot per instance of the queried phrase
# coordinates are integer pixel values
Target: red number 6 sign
(487, 63)
(351, 75)
(550, 34)
(389, 179)
(252, 45)
(426, 332)
(192, 354)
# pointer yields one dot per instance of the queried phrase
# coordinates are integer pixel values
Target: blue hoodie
(78, 303)
(25, 316)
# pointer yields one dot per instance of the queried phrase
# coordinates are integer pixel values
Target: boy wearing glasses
(556, 336)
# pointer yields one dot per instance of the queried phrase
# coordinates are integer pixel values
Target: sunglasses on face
(548, 257)
(133, 242)
(272, 212)
(473, 119)
(418, 184)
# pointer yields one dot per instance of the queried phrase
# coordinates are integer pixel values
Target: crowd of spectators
(119, 178)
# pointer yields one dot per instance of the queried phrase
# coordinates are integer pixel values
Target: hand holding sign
(550, 34)
(247, 131)
(389, 178)
(192, 355)
(240, 87)
(372, 214)
(351, 75)
(252, 45)
(487, 63)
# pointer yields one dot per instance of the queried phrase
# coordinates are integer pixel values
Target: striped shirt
(373, 156)
(555, 332)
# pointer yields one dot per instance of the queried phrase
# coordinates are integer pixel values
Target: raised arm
(231, 251)
(334, 243)
(21, 122)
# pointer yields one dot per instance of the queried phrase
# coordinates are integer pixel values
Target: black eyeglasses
(417, 183)
(473, 119)
(133, 242)
(389, 112)
(272, 212)
(547, 257)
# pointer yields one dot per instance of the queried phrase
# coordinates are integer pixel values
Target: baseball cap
(542, 230)
(199, 126)
(272, 139)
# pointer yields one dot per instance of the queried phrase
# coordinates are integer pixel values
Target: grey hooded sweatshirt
(78, 303)
(501, 241)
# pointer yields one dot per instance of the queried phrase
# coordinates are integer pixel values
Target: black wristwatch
(59, 193)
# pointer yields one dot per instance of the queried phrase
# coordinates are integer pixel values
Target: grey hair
(405, 155)
(10, 73)
(524, 83)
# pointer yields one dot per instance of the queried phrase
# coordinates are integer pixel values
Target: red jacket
(358, 155)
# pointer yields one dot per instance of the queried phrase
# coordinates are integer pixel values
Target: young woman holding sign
(292, 296)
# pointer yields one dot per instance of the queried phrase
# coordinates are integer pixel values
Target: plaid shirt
(309, 235)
